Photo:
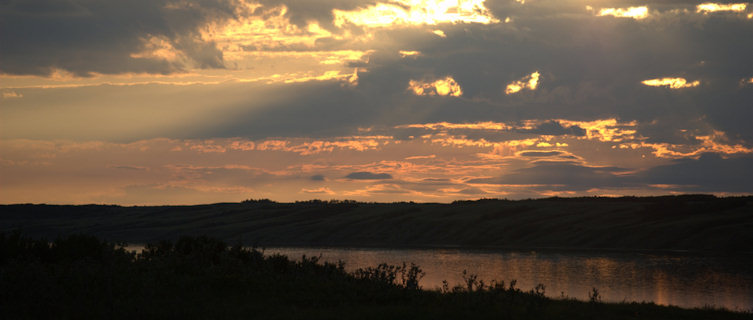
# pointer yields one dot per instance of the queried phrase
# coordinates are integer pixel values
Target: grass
(83, 277)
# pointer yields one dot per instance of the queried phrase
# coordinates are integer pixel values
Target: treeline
(83, 277)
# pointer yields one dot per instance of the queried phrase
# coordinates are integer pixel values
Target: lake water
(680, 280)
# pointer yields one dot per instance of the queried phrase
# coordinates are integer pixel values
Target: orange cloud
(443, 87)
(714, 143)
(529, 82)
(323, 190)
(672, 83)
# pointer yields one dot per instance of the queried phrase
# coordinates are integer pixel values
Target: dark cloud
(317, 177)
(591, 67)
(561, 175)
(363, 175)
(556, 129)
(709, 173)
(83, 36)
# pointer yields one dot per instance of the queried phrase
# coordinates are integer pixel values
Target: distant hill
(689, 222)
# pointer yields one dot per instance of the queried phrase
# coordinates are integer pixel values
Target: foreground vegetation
(698, 223)
(82, 277)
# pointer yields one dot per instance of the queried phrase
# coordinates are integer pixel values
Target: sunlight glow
(631, 12)
(415, 12)
(672, 83)
(442, 87)
(440, 33)
(529, 82)
(714, 7)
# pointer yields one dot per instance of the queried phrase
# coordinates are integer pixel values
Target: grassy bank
(203, 278)
(694, 223)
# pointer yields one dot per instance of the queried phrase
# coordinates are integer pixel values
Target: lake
(667, 279)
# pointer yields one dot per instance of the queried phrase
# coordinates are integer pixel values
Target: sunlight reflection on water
(679, 280)
(685, 281)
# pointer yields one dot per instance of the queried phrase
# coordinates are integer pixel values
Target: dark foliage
(82, 277)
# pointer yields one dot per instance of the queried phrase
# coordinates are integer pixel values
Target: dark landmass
(82, 277)
(696, 223)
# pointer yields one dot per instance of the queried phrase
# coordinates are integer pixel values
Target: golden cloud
(637, 13)
(604, 129)
(415, 12)
(672, 83)
(529, 82)
(443, 87)
(407, 53)
(708, 7)
(440, 33)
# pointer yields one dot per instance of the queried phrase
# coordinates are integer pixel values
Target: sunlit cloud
(321, 190)
(408, 53)
(159, 48)
(529, 82)
(443, 87)
(637, 13)
(415, 12)
(351, 78)
(709, 7)
(604, 129)
(11, 95)
(440, 33)
(258, 28)
(488, 125)
(431, 156)
(672, 83)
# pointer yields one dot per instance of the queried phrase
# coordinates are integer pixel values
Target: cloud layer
(410, 100)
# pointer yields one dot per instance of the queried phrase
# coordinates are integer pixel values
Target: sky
(148, 102)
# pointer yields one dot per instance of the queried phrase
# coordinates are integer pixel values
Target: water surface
(680, 280)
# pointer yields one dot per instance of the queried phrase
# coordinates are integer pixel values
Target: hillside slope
(696, 223)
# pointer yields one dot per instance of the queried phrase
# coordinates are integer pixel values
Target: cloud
(560, 175)
(529, 82)
(443, 87)
(672, 83)
(409, 53)
(708, 173)
(397, 13)
(317, 177)
(363, 175)
(110, 37)
(12, 95)
(322, 190)
(637, 13)
(709, 7)
(540, 153)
